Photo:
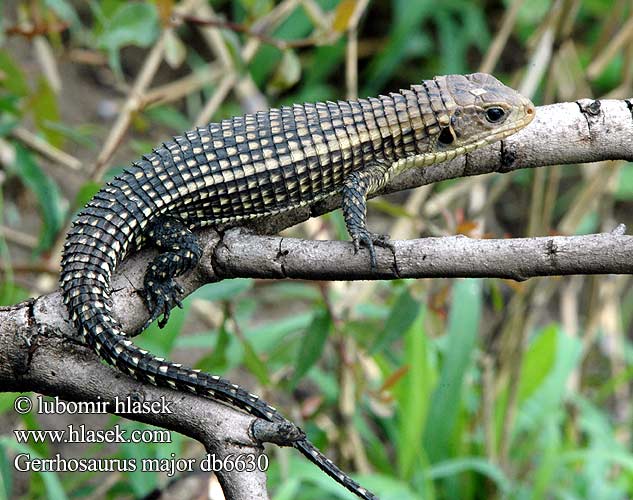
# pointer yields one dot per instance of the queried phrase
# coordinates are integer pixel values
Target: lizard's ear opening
(446, 136)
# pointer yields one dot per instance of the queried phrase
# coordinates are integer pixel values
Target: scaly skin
(253, 166)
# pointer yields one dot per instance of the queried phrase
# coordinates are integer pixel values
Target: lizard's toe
(372, 240)
(160, 299)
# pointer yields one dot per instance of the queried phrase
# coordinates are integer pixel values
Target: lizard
(252, 166)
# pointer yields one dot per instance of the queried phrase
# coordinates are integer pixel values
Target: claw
(369, 243)
(370, 240)
(160, 299)
(163, 321)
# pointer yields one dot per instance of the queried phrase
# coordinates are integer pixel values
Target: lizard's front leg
(356, 187)
(180, 252)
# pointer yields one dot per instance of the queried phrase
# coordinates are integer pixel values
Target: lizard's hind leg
(180, 252)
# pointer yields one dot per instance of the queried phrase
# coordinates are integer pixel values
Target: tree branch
(40, 351)
(36, 356)
(249, 255)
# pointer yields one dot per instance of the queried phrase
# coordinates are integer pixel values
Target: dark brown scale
(303, 116)
(298, 142)
(392, 127)
(355, 151)
(340, 143)
(319, 177)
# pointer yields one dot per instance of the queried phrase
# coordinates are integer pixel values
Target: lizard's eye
(493, 115)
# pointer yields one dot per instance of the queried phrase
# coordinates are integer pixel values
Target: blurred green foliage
(432, 423)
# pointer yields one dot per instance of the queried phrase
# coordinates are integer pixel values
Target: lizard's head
(483, 111)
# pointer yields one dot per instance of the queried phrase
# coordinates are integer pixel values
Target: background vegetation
(429, 389)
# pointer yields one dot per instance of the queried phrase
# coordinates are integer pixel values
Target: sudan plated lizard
(253, 166)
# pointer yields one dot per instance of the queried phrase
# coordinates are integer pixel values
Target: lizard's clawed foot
(370, 240)
(160, 298)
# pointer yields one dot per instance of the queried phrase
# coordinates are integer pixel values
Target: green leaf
(140, 481)
(12, 77)
(538, 361)
(65, 11)
(265, 337)
(548, 397)
(161, 340)
(457, 466)
(589, 223)
(389, 208)
(253, 362)
(385, 487)
(338, 222)
(312, 344)
(496, 295)
(10, 293)
(81, 134)
(292, 290)
(170, 117)
(175, 50)
(325, 60)
(257, 8)
(51, 480)
(7, 124)
(296, 25)
(224, 290)
(6, 474)
(413, 393)
(408, 18)
(403, 313)
(43, 105)
(46, 192)
(288, 73)
(452, 48)
(86, 192)
(7, 401)
(133, 23)
(217, 360)
(9, 104)
(475, 25)
(545, 475)
(463, 328)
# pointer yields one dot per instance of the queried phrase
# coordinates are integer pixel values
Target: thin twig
(617, 42)
(231, 78)
(46, 149)
(501, 38)
(351, 49)
(262, 37)
(16, 237)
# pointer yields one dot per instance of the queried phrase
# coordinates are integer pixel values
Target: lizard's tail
(91, 253)
(101, 236)
(326, 465)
